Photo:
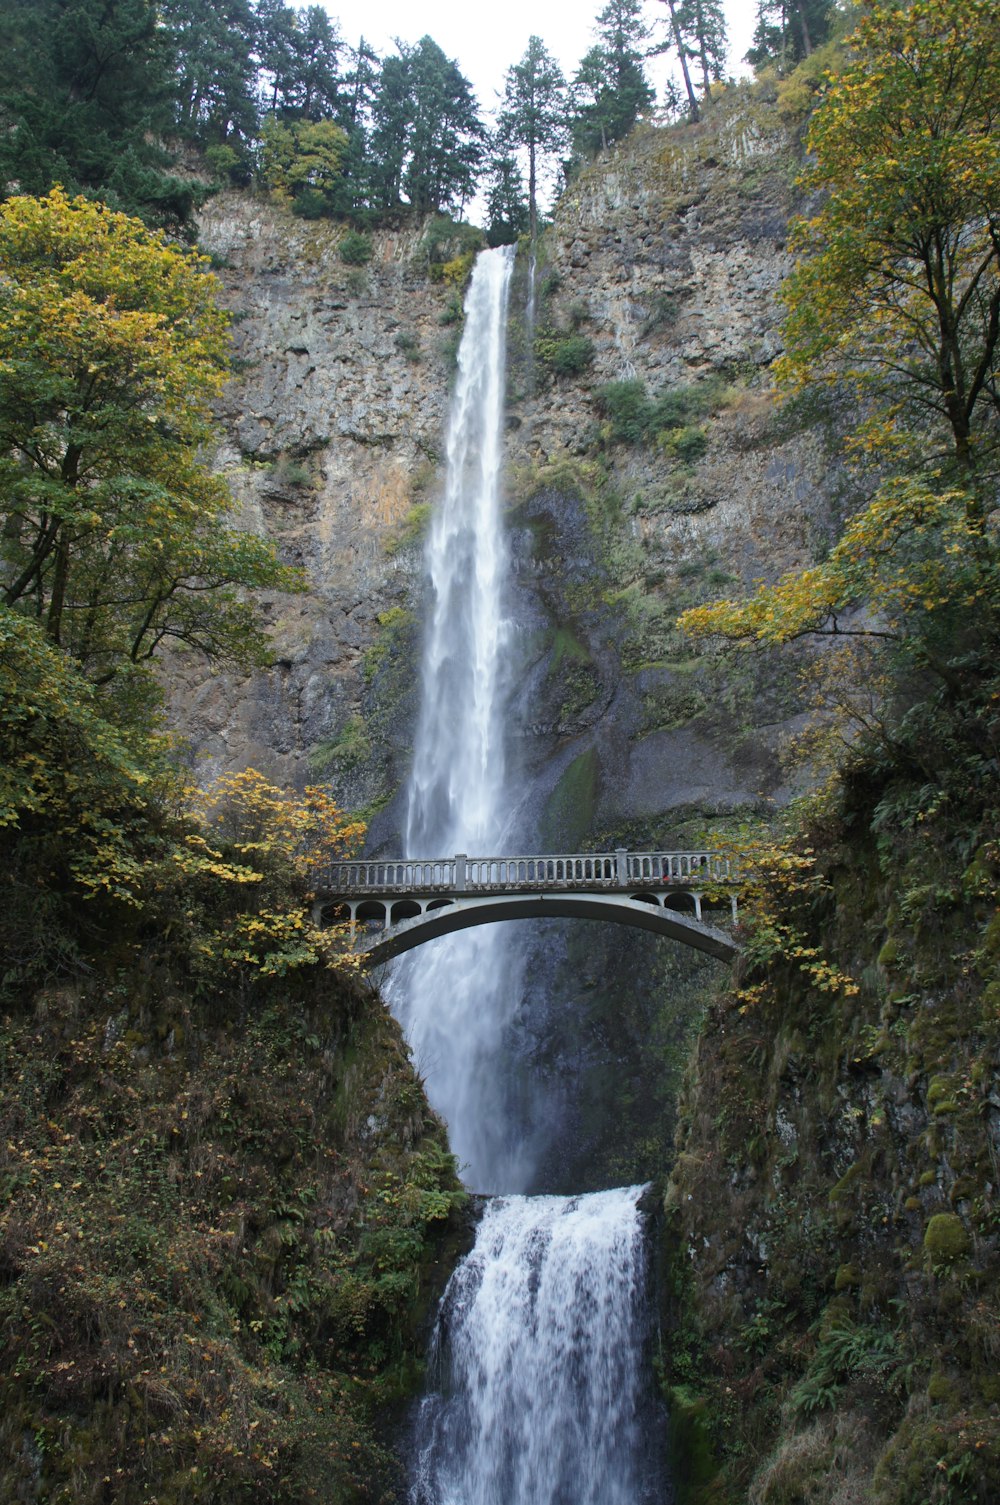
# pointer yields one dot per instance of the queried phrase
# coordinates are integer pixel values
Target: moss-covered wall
(223, 1229)
(834, 1225)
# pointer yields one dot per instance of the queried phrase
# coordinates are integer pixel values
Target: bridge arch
(641, 911)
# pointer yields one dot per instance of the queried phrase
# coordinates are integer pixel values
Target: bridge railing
(462, 874)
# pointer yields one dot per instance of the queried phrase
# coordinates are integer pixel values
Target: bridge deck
(617, 871)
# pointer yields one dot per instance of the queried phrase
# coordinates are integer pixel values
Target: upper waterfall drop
(456, 999)
(456, 795)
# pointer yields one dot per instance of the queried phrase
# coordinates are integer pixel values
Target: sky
(485, 38)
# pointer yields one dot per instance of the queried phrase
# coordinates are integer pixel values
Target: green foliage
(788, 32)
(349, 749)
(86, 102)
(426, 138)
(303, 163)
(211, 1286)
(898, 288)
(356, 249)
(610, 89)
(533, 115)
(565, 355)
(447, 240)
(634, 417)
(846, 1353)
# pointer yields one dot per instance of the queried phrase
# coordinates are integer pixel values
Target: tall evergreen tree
(679, 41)
(507, 214)
(216, 61)
(533, 114)
(703, 24)
(788, 30)
(392, 121)
(300, 56)
(446, 137)
(86, 99)
(427, 140)
(610, 88)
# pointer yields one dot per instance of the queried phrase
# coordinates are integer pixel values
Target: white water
(539, 1337)
(536, 1358)
(455, 999)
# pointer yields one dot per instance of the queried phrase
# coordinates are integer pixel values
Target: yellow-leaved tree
(896, 297)
(116, 536)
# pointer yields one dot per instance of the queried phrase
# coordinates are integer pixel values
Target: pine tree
(788, 31)
(215, 51)
(446, 137)
(533, 114)
(703, 22)
(86, 99)
(426, 141)
(610, 89)
(681, 43)
(507, 214)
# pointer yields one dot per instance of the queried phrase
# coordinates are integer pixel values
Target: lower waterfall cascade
(541, 1393)
(537, 1353)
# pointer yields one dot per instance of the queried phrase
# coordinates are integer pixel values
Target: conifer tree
(788, 31)
(610, 89)
(533, 114)
(703, 24)
(426, 141)
(86, 99)
(506, 204)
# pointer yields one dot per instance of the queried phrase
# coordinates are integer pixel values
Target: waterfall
(539, 1339)
(537, 1359)
(455, 999)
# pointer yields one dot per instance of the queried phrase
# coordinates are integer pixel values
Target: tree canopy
(533, 114)
(896, 297)
(610, 89)
(112, 346)
(898, 286)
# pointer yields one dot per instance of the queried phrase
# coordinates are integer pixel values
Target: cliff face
(333, 424)
(833, 1244)
(664, 260)
(660, 273)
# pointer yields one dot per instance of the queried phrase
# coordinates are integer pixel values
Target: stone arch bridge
(396, 905)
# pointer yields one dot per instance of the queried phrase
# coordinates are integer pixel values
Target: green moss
(941, 1389)
(847, 1278)
(695, 1469)
(945, 1239)
(349, 749)
(889, 954)
(848, 1182)
(569, 815)
(411, 530)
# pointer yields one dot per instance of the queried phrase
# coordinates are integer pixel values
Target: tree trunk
(682, 55)
(804, 29)
(532, 211)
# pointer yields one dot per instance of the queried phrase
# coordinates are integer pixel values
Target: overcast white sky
(486, 36)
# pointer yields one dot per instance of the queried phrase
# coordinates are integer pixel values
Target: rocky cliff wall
(660, 269)
(665, 260)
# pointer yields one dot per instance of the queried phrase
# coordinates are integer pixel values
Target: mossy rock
(942, 1390)
(846, 1278)
(889, 955)
(946, 1239)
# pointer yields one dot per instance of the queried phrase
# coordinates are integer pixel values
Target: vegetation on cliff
(834, 1201)
(222, 1188)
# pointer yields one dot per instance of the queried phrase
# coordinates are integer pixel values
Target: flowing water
(538, 1376)
(539, 1340)
(456, 999)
